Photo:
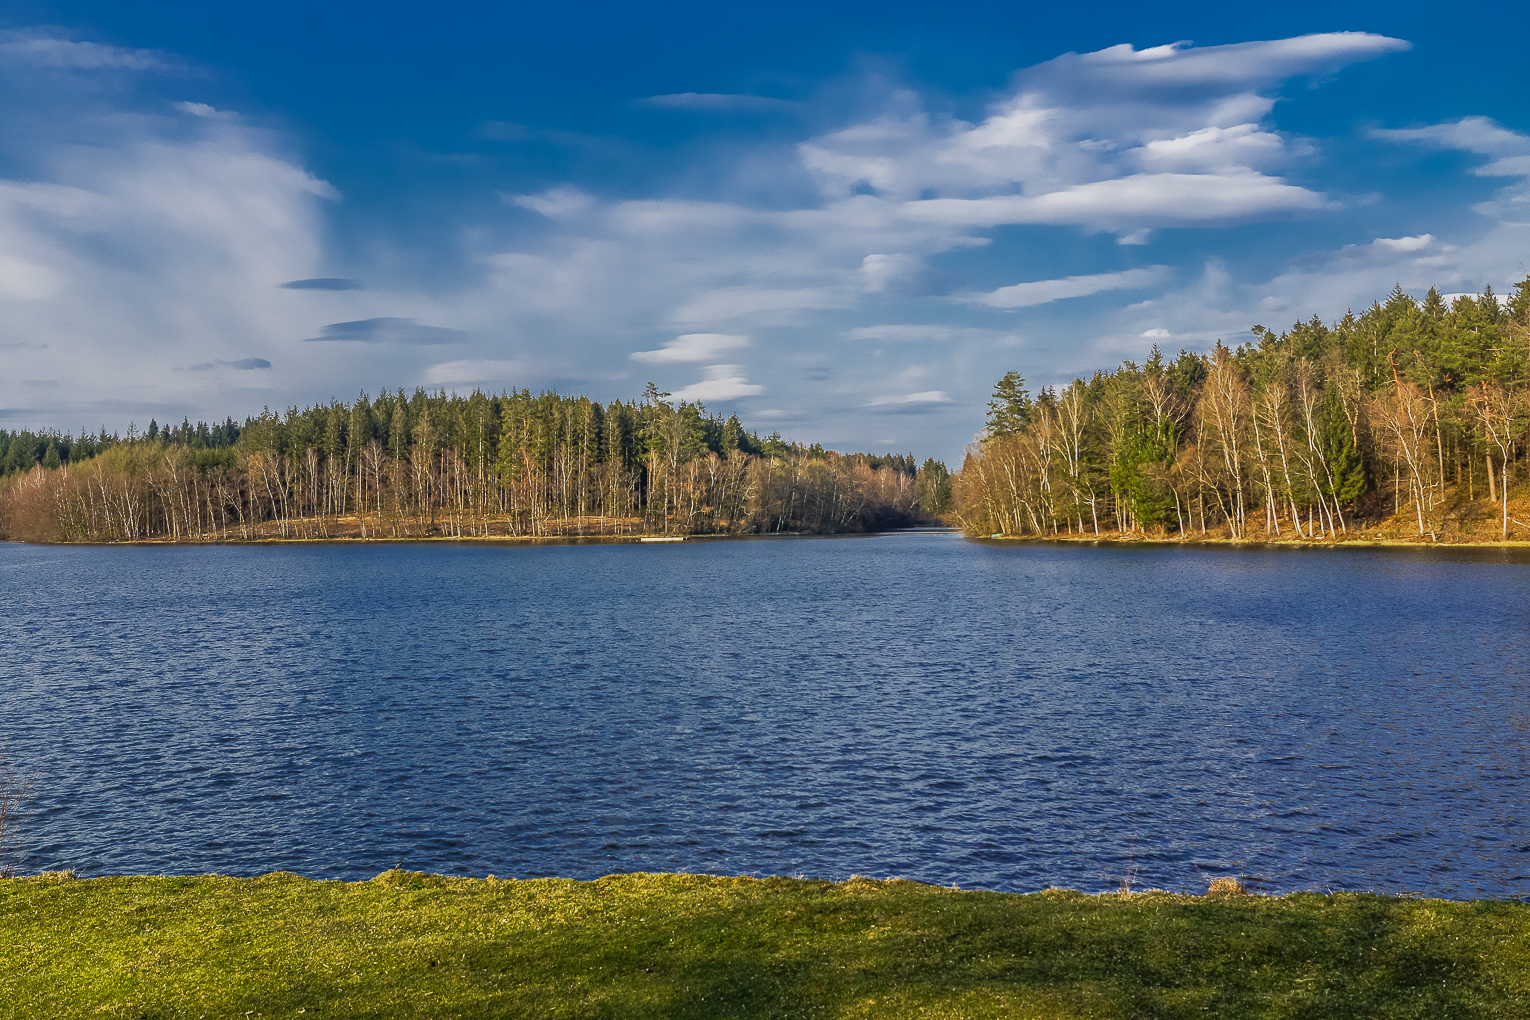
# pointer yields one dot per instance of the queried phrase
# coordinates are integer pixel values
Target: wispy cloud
(554, 202)
(43, 49)
(388, 330)
(903, 332)
(1480, 135)
(242, 365)
(1040, 292)
(719, 102)
(469, 372)
(692, 347)
(906, 399)
(719, 383)
(1483, 137)
(322, 283)
(845, 250)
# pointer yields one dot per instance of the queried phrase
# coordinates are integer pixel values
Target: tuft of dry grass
(1227, 885)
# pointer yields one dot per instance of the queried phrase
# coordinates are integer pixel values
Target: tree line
(1414, 409)
(437, 464)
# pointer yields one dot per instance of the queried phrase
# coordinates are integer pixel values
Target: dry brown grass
(1227, 885)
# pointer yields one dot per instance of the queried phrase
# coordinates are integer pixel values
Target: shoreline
(1122, 538)
(1106, 539)
(636, 539)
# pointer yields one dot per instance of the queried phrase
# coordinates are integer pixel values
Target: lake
(992, 715)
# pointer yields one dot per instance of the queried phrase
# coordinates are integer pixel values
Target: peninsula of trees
(422, 465)
(1407, 421)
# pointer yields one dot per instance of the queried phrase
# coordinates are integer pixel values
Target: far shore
(638, 539)
(1360, 540)
(1343, 542)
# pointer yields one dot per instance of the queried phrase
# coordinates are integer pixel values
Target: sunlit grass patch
(412, 945)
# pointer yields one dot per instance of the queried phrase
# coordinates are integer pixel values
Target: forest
(1405, 422)
(438, 465)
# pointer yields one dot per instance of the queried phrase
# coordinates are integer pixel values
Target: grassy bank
(409, 945)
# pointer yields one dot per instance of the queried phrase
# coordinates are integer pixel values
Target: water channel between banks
(999, 715)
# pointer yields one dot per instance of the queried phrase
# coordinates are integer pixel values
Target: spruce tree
(1010, 409)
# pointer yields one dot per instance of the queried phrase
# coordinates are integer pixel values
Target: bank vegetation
(442, 465)
(1408, 421)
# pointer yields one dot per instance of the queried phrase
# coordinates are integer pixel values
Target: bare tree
(14, 791)
(1500, 412)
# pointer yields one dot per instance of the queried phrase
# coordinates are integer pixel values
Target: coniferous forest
(1404, 422)
(422, 465)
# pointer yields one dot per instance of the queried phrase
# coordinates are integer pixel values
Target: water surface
(992, 715)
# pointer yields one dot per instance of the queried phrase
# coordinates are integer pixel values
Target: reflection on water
(992, 715)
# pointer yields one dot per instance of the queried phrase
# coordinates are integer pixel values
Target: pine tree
(1010, 409)
(1344, 460)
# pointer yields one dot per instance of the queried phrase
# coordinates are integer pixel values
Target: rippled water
(992, 715)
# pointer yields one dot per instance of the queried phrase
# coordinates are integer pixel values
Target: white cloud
(473, 371)
(158, 243)
(720, 382)
(41, 49)
(1040, 292)
(692, 347)
(1157, 334)
(387, 329)
(1479, 135)
(910, 333)
(169, 244)
(1119, 139)
(1181, 66)
(1138, 200)
(197, 109)
(719, 102)
(554, 203)
(905, 399)
(767, 303)
(1213, 149)
(1404, 244)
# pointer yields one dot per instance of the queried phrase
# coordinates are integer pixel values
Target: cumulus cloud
(720, 382)
(388, 329)
(692, 347)
(1404, 244)
(1040, 292)
(1082, 121)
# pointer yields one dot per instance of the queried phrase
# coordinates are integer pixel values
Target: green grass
(411, 945)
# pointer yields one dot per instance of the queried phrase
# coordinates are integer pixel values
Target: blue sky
(840, 221)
